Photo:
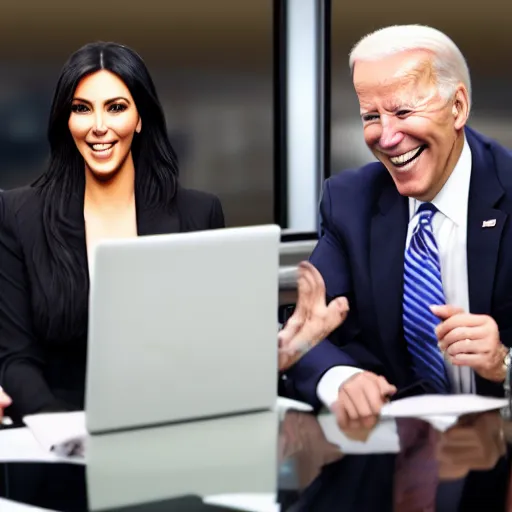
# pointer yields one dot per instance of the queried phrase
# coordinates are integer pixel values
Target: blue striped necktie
(422, 288)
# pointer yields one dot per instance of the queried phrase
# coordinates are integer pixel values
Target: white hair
(449, 64)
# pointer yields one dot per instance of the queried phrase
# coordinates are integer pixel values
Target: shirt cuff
(329, 385)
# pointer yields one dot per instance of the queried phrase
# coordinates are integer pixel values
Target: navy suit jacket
(361, 255)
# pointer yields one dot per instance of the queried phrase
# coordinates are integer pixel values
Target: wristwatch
(506, 366)
(506, 412)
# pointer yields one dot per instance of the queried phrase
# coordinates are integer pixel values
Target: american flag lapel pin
(489, 223)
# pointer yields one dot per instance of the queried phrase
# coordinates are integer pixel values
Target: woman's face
(102, 122)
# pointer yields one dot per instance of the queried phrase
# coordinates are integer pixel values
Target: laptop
(182, 327)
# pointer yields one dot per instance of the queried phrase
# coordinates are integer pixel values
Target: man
(419, 243)
(5, 401)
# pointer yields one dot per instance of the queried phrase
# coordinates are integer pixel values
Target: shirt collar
(452, 199)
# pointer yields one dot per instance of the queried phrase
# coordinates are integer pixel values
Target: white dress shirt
(450, 231)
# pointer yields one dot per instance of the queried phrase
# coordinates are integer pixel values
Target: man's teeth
(401, 159)
(101, 147)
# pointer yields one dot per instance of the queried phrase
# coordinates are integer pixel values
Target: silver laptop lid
(182, 327)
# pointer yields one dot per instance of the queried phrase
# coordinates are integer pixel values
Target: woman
(112, 173)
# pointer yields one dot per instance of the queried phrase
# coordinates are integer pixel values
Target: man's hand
(301, 432)
(475, 443)
(5, 401)
(471, 340)
(313, 320)
(360, 400)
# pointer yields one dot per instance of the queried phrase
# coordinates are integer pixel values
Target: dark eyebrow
(112, 100)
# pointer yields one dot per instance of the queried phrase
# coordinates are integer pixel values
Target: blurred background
(213, 65)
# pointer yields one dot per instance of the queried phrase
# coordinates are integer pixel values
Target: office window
(212, 65)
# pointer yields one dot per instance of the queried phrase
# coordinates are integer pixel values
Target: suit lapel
(485, 227)
(387, 245)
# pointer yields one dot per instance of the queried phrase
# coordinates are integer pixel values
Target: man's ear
(460, 107)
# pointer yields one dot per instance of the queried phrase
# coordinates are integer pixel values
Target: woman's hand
(5, 401)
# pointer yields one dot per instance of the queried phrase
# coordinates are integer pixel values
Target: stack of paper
(13, 506)
(20, 445)
(424, 406)
(63, 434)
(52, 437)
(247, 502)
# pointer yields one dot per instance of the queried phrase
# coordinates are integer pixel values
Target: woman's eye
(117, 107)
(79, 108)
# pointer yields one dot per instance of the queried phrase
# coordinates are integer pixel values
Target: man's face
(408, 126)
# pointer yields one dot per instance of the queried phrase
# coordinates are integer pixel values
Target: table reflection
(407, 465)
(461, 468)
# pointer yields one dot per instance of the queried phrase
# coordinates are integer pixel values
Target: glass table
(405, 465)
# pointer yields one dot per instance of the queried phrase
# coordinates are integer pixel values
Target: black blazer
(42, 374)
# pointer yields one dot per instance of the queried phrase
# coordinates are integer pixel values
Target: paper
(382, 439)
(287, 404)
(14, 506)
(20, 445)
(261, 502)
(438, 405)
(441, 411)
(63, 434)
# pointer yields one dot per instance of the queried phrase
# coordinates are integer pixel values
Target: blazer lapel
(387, 246)
(485, 227)
(150, 221)
(75, 226)
(157, 221)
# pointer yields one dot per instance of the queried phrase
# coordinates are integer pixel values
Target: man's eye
(370, 117)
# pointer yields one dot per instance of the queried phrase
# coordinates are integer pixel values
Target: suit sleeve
(21, 360)
(217, 215)
(343, 348)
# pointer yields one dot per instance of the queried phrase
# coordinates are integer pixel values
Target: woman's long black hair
(156, 176)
